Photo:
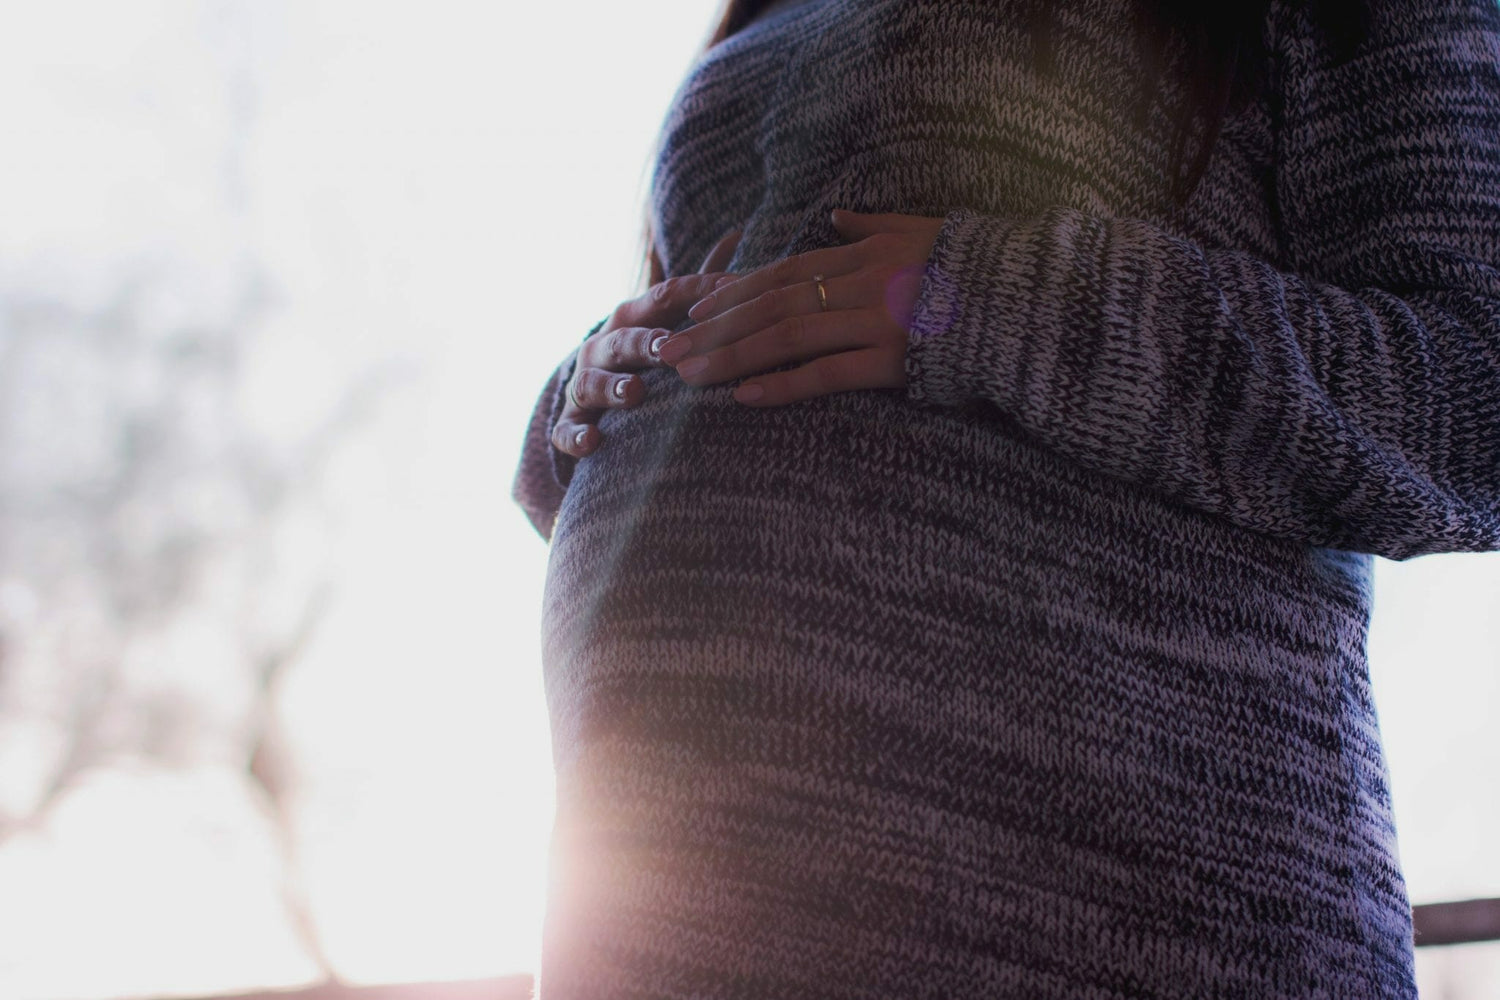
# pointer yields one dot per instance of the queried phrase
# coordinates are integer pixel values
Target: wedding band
(822, 292)
(573, 390)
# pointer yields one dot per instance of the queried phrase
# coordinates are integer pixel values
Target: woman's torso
(852, 698)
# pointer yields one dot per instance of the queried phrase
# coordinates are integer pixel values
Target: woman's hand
(628, 342)
(856, 339)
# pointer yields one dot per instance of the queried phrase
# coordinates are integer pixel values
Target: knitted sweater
(1044, 677)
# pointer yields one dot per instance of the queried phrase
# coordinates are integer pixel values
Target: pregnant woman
(969, 597)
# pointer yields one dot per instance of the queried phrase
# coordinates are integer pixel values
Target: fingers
(831, 261)
(722, 253)
(635, 334)
(603, 380)
(795, 338)
(593, 389)
(861, 225)
(574, 438)
(665, 303)
(590, 391)
(761, 312)
(870, 368)
(624, 349)
(890, 238)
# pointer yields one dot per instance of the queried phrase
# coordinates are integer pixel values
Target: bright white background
(439, 199)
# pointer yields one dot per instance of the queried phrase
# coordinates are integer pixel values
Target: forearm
(1367, 420)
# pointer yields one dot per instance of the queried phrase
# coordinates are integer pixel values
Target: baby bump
(713, 562)
(849, 671)
(699, 516)
(739, 669)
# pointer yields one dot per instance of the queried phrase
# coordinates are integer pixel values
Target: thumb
(860, 225)
(723, 252)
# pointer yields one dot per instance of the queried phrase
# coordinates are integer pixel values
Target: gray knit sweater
(1044, 677)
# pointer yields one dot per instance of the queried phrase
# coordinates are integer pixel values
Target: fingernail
(620, 386)
(578, 438)
(748, 393)
(675, 349)
(656, 343)
(728, 279)
(691, 367)
(702, 308)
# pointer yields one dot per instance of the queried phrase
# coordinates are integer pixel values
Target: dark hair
(1221, 44)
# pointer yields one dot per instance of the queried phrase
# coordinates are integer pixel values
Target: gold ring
(822, 292)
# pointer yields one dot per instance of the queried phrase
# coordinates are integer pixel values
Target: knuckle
(842, 367)
(774, 301)
(787, 334)
(890, 338)
(615, 349)
(637, 347)
(814, 380)
(583, 391)
(882, 283)
(783, 270)
(882, 245)
(598, 388)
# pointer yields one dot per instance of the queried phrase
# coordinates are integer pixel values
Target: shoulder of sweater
(1390, 23)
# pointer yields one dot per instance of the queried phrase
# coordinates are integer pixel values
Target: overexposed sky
(448, 193)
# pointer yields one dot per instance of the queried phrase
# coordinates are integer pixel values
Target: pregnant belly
(835, 678)
(854, 530)
(858, 548)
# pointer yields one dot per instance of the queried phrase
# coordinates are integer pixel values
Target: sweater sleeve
(1352, 401)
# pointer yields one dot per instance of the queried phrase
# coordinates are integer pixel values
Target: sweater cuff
(964, 343)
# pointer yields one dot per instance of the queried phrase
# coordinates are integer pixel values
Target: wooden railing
(1466, 922)
(505, 988)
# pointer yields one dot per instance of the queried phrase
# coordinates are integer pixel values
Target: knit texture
(1044, 677)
